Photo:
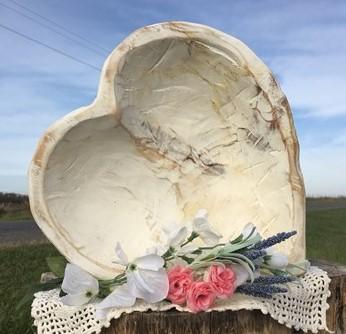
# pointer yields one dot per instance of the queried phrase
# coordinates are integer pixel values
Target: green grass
(19, 267)
(326, 239)
(318, 203)
(326, 235)
(16, 215)
(21, 213)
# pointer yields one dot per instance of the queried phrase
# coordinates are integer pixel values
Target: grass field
(312, 203)
(16, 215)
(326, 235)
(20, 266)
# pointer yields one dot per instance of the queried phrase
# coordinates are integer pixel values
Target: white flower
(120, 297)
(121, 256)
(201, 226)
(146, 277)
(241, 274)
(276, 260)
(79, 285)
(158, 250)
(175, 234)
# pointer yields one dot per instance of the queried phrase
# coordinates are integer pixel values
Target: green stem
(192, 237)
(168, 253)
(118, 283)
(212, 247)
(119, 278)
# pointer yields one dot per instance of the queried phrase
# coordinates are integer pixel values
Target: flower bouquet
(186, 272)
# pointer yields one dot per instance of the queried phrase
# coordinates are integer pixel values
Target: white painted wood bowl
(186, 117)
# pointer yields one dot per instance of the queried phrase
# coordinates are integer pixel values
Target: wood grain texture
(249, 322)
(336, 315)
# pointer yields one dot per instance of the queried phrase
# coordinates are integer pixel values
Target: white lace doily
(303, 307)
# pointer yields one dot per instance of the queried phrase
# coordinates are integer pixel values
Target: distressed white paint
(186, 117)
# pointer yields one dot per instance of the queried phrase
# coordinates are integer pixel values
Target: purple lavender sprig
(253, 254)
(260, 290)
(280, 237)
(273, 279)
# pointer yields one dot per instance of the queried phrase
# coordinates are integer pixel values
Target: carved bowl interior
(186, 117)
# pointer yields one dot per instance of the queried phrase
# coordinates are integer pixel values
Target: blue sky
(303, 42)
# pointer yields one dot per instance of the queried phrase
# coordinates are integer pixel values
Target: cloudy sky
(303, 42)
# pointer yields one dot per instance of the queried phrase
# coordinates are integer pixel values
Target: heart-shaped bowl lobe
(186, 118)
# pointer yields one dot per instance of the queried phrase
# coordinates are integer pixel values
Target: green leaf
(189, 260)
(237, 240)
(57, 265)
(244, 258)
(251, 234)
(242, 263)
(278, 272)
(231, 248)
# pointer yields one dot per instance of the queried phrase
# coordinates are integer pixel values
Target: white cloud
(303, 43)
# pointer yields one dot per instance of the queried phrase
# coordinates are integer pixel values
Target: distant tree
(8, 199)
(2, 211)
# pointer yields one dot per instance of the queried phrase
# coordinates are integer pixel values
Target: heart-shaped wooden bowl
(186, 117)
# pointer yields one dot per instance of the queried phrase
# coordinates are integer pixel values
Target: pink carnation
(200, 296)
(180, 279)
(222, 279)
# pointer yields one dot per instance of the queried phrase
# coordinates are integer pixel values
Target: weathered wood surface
(336, 315)
(249, 322)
